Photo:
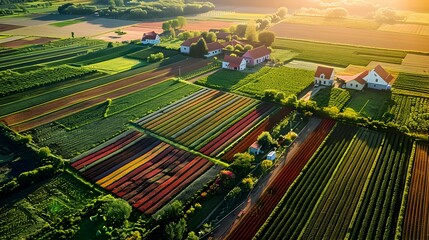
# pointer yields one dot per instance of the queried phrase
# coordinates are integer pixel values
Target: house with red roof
(379, 79)
(257, 55)
(356, 82)
(233, 43)
(185, 47)
(151, 38)
(324, 76)
(213, 48)
(233, 63)
(223, 36)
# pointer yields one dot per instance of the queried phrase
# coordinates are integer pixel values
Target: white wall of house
(213, 53)
(241, 67)
(375, 81)
(354, 85)
(253, 62)
(157, 40)
(185, 49)
(323, 81)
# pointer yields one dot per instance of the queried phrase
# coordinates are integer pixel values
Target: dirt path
(233, 219)
(68, 105)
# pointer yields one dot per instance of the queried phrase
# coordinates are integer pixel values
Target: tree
(176, 230)
(249, 182)
(211, 37)
(251, 34)
(242, 163)
(240, 30)
(199, 49)
(239, 48)
(119, 3)
(116, 210)
(72, 34)
(109, 45)
(171, 212)
(385, 15)
(192, 236)
(281, 12)
(266, 140)
(62, 8)
(266, 165)
(229, 48)
(44, 152)
(166, 26)
(264, 23)
(267, 37)
(182, 21)
(174, 23)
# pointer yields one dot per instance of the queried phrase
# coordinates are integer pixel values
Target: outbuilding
(271, 156)
(151, 38)
(233, 63)
(255, 148)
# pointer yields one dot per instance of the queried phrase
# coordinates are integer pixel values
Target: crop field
(410, 111)
(81, 131)
(117, 65)
(412, 84)
(27, 41)
(45, 204)
(332, 97)
(418, 29)
(253, 220)
(284, 79)
(66, 23)
(350, 36)
(348, 22)
(343, 185)
(417, 60)
(416, 223)
(142, 170)
(208, 120)
(339, 55)
(65, 106)
(29, 56)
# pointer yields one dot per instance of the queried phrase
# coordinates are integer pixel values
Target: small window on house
(356, 85)
(375, 74)
(324, 82)
(376, 80)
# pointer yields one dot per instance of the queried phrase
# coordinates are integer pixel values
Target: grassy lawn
(66, 23)
(329, 97)
(170, 44)
(283, 55)
(116, 65)
(339, 55)
(370, 103)
(228, 80)
(81, 131)
(283, 79)
(43, 204)
(207, 207)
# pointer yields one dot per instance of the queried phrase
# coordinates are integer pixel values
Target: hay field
(360, 23)
(418, 29)
(356, 37)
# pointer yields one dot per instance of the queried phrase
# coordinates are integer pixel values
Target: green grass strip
(177, 145)
(365, 187)
(328, 185)
(400, 221)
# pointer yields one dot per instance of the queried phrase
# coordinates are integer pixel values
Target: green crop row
(332, 97)
(15, 82)
(412, 83)
(411, 111)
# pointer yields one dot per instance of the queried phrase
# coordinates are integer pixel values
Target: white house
(151, 38)
(257, 55)
(379, 79)
(213, 48)
(356, 82)
(255, 148)
(185, 47)
(271, 156)
(324, 76)
(233, 63)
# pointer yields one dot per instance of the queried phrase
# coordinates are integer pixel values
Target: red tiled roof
(214, 46)
(256, 145)
(324, 70)
(257, 52)
(358, 77)
(233, 43)
(188, 42)
(149, 35)
(233, 61)
(383, 74)
(223, 35)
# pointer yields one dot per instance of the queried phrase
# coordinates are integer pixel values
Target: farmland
(411, 112)
(323, 33)
(283, 79)
(337, 55)
(332, 97)
(249, 225)
(412, 84)
(370, 165)
(81, 131)
(372, 104)
(142, 170)
(43, 205)
(416, 224)
(208, 120)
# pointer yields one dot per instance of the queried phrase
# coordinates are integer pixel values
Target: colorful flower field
(209, 120)
(144, 171)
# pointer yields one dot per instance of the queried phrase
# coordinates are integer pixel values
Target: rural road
(59, 108)
(233, 219)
